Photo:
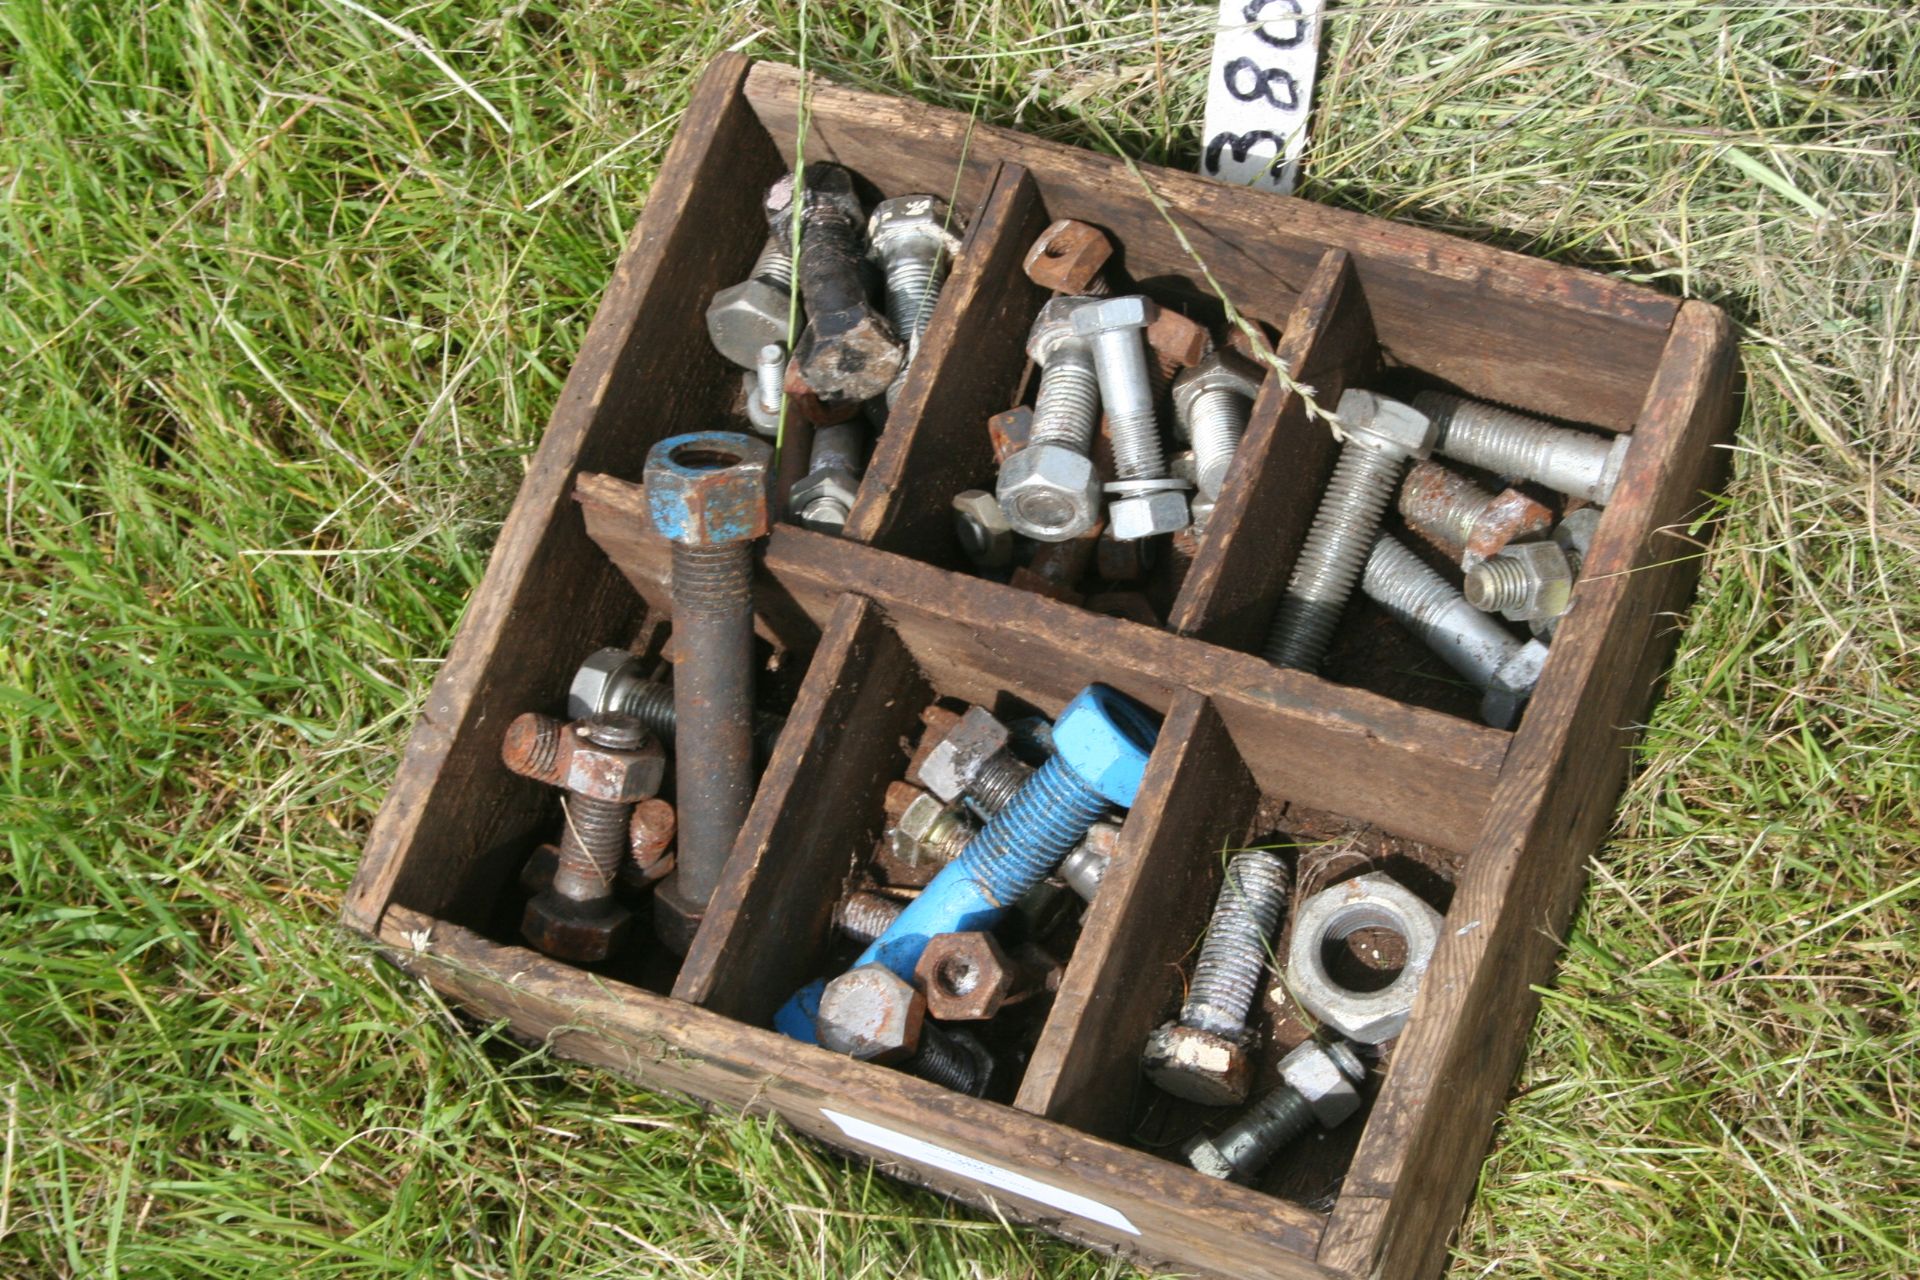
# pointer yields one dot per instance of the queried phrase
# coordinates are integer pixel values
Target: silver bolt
(826, 495)
(1087, 865)
(1211, 404)
(1145, 499)
(865, 916)
(1580, 463)
(1381, 435)
(1320, 1087)
(1473, 644)
(1048, 490)
(766, 389)
(1233, 959)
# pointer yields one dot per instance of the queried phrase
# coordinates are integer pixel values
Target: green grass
(285, 307)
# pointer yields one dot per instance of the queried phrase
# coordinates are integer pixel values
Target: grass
(288, 292)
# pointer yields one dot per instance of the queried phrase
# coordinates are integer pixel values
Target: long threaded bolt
(849, 350)
(1049, 490)
(1066, 408)
(1469, 641)
(952, 1060)
(1580, 463)
(865, 916)
(825, 497)
(1245, 1147)
(1382, 436)
(1116, 328)
(1233, 959)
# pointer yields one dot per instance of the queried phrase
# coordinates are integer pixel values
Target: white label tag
(1258, 91)
(920, 1151)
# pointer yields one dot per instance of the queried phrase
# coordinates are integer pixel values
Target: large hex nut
(957, 759)
(707, 488)
(1513, 685)
(1371, 901)
(872, 1014)
(1146, 515)
(982, 527)
(602, 678)
(1381, 423)
(1049, 493)
(744, 317)
(1105, 738)
(1548, 574)
(1068, 257)
(605, 773)
(569, 930)
(966, 977)
(1327, 1077)
(1053, 329)
(897, 224)
(1198, 1065)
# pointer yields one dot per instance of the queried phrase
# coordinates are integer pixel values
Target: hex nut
(1327, 1077)
(1106, 314)
(1176, 341)
(834, 483)
(1381, 423)
(1010, 432)
(899, 222)
(1053, 328)
(1145, 515)
(604, 773)
(1513, 685)
(925, 817)
(1549, 576)
(1049, 493)
(744, 317)
(1576, 530)
(1365, 902)
(708, 488)
(982, 527)
(1105, 738)
(599, 680)
(1068, 256)
(966, 977)
(1198, 1065)
(1222, 371)
(871, 1013)
(569, 930)
(957, 759)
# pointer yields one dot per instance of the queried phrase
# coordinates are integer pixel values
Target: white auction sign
(1258, 91)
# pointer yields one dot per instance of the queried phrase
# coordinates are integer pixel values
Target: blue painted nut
(1106, 739)
(708, 488)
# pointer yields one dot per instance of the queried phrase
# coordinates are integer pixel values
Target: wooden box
(1494, 827)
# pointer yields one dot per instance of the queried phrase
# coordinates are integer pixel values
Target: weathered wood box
(1493, 827)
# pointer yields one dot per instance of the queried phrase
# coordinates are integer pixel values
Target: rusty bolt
(872, 1014)
(968, 977)
(865, 916)
(649, 835)
(1464, 521)
(1069, 257)
(849, 350)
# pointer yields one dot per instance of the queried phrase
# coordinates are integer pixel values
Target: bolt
(875, 1015)
(605, 764)
(707, 492)
(743, 318)
(952, 1059)
(1202, 1056)
(1146, 500)
(865, 916)
(1532, 582)
(1211, 404)
(985, 536)
(611, 680)
(1381, 435)
(648, 834)
(1463, 520)
(825, 497)
(910, 237)
(1049, 490)
(1580, 463)
(849, 350)
(1087, 865)
(1480, 649)
(767, 390)
(1320, 1086)
(1071, 257)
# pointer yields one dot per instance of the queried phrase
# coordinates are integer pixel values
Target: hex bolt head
(1200, 1066)
(986, 537)
(872, 1014)
(849, 350)
(911, 237)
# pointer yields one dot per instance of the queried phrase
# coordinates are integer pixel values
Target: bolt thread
(1126, 389)
(770, 376)
(998, 782)
(949, 839)
(774, 266)
(1443, 505)
(1268, 1125)
(712, 581)
(1334, 554)
(865, 916)
(1501, 583)
(592, 849)
(914, 280)
(1401, 582)
(1233, 959)
(651, 704)
(1137, 454)
(1514, 444)
(1216, 421)
(1025, 841)
(1066, 409)
(532, 748)
(944, 1060)
(1101, 286)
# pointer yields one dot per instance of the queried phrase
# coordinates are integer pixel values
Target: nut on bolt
(1371, 901)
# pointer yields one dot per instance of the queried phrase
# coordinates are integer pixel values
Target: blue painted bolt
(1101, 743)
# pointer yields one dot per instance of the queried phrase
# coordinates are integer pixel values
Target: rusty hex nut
(1068, 257)
(1010, 432)
(1198, 1065)
(872, 1014)
(1176, 341)
(605, 773)
(570, 930)
(708, 488)
(965, 977)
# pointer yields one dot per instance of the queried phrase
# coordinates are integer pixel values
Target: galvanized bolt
(1049, 489)
(1381, 435)
(612, 679)
(1211, 404)
(1202, 1056)
(1463, 520)
(1320, 1087)
(707, 492)
(1145, 500)
(1087, 865)
(766, 389)
(912, 240)
(865, 916)
(849, 350)
(823, 499)
(1580, 463)
(1473, 644)
(985, 535)
(743, 318)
